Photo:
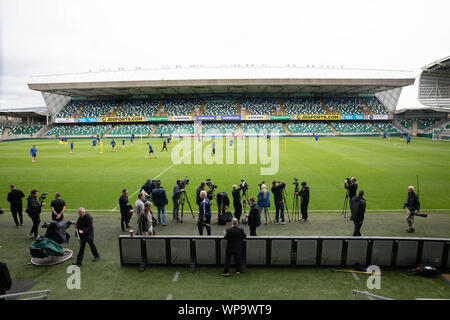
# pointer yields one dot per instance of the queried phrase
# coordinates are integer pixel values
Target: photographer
(352, 187)
(204, 216)
(304, 194)
(412, 204)
(358, 208)
(236, 193)
(176, 195)
(277, 190)
(254, 218)
(223, 202)
(34, 211)
(58, 207)
(264, 202)
(126, 210)
(159, 197)
(15, 200)
(199, 190)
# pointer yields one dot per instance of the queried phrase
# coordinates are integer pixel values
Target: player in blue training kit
(150, 151)
(402, 135)
(132, 138)
(164, 146)
(384, 135)
(71, 147)
(231, 143)
(408, 139)
(33, 152)
(123, 143)
(113, 145)
(316, 136)
(94, 144)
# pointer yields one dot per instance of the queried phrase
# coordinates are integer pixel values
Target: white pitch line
(355, 276)
(175, 277)
(169, 297)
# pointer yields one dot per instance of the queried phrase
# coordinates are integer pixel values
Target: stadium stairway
(238, 104)
(199, 129)
(367, 106)
(439, 124)
(332, 128)
(117, 109)
(5, 133)
(78, 110)
(283, 112)
(326, 108)
(153, 131)
(286, 129)
(200, 112)
(239, 130)
(397, 124)
(107, 131)
(376, 127)
(43, 130)
(159, 108)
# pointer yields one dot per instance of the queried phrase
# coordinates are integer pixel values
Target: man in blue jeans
(159, 198)
(277, 189)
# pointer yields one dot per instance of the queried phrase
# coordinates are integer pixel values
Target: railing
(42, 294)
(369, 295)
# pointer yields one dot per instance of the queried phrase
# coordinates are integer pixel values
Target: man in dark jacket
(34, 212)
(304, 194)
(254, 218)
(148, 188)
(204, 215)
(159, 197)
(358, 208)
(15, 200)
(223, 202)
(277, 190)
(126, 210)
(176, 195)
(234, 237)
(5, 279)
(412, 204)
(58, 207)
(85, 229)
(200, 189)
(236, 193)
(352, 187)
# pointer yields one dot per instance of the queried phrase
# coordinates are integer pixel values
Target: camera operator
(304, 194)
(223, 202)
(236, 193)
(176, 195)
(126, 210)
(254, 218)
(148, 188)
(204, 216)
(159, 197)
(352, 187)
(412, 204)
(199, 190)
(58, 207)
(277, 189)
(34, 211)
(358, 208)
(15, 200)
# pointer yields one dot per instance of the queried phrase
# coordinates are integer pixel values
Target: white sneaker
(276, 222)
(284, 222)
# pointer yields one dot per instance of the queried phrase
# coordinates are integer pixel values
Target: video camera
(295, 182)
(348, 180)
(244, 185)
(261, 183)
(43, 196)
(184, 182)
(210, 185)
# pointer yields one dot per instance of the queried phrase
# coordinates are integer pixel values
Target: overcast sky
(40, 37)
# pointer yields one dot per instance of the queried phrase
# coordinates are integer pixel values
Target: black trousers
(237, 260)
(200, 226)
(356, 231)
(17, 211)
(124, 220)
(252, 230)
(237, 210)
(90, 240)
(36, 220)
(304, 210)
(164, 147)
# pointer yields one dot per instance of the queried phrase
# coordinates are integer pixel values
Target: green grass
(87, 178)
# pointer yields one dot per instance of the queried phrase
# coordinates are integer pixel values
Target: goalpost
(441, 134)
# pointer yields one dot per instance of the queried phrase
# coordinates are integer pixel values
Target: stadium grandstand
(22, 123)
(237, 101)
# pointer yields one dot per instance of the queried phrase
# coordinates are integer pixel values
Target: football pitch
(94, 180)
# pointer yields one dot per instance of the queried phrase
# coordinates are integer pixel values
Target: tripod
(285, 204)
(184, 198)
(296, 205)
(244, 201)
(344, 208)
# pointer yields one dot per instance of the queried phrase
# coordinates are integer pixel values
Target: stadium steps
(77, 110)
(332, 128)
(286, 129)
(376, 127)
(239, 130)
(367, 106)
(107, 131)
(238, 104)
(43, 130)
(437, 125)
(325, 107)
(5, 133)
(153, 131)
(159, 108)
(117, 110)
(283, 112)
(397, 124)
(200, 112)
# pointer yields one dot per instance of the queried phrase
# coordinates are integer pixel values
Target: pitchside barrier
(286, 251)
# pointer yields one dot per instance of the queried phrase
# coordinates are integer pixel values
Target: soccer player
(408, 139)
(384, 135)
(268, 136)
(150, 151)
(214, 147)
(94, 144)
(113, 145)
(33, 152)
(316, 136)
(123, 143)
(164, 146)
(132, 138)
(71, 147)
(231, 143)
(402, 135)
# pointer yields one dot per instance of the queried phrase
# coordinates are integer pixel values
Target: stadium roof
(25, 112)
(223, 80)
(441, 65)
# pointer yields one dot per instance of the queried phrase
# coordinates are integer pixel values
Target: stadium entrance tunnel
(286, 251)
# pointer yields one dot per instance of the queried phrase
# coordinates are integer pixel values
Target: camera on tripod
(210, 184)
(261, 183)
(348, 180)
(43, 196)
(244, 185)
(184, 182)
(295, 182)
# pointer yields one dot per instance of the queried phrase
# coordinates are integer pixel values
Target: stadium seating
(98, 108)
(250, 127)
(69, 109)
(181, 107)
(376, 106)
(87, 130)
(259, 105)
(387, 127)
(24, 130)
(138, 107)
(303, 106)
(308, 127)
(423, 124)
(220, 128)
(220, 107)
(354, 127)
(347, 106)
(2, 130)
(128, 129)
(175, 129)
(407, 124)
